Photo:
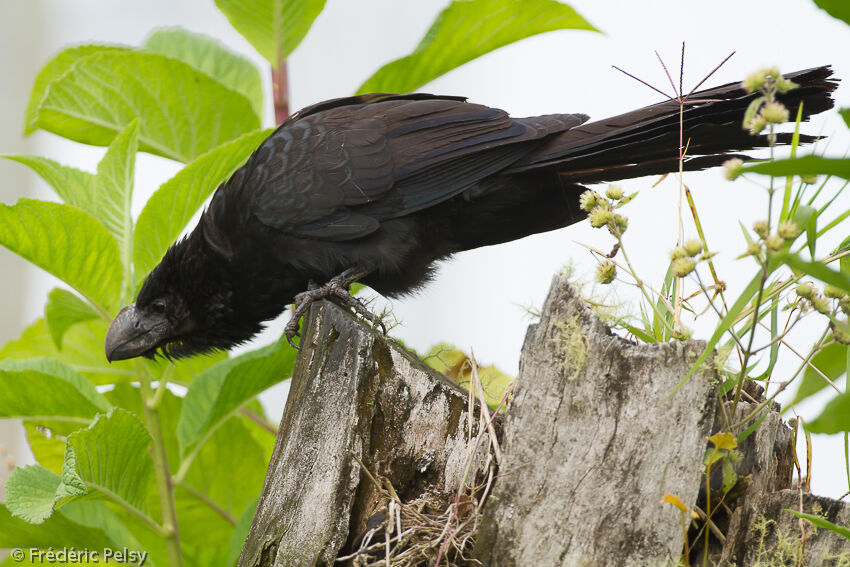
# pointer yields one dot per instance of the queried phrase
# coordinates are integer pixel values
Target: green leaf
(839, 9)
(82, 349)
(831, 360)
(47, 448)
(221, 390)
(63, 310)
(67, 243)
(210, 56)
(806, 218)
(834, 418)
(467, 29)
(817, 270)
(129, 398)
(76, 187)
(42, 387)
(31, 493)
(57, 531)
(172, 206)
(806, 165)
(273, 27)
(115, 190)
(112, 456)
(822, 523)
(845, 114)
(182, 112)
(55, 68)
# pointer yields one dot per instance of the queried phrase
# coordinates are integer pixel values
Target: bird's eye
(158, 306)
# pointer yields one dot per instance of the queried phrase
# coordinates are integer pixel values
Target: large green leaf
(273, 27)
(63, 310)
(115, 190)
(43, 387)
(112, 456)
(58, 531)
(172, 206)
(834, 418)
(806, 165)
(467, 29)
(836, 8)
(210, 56)
(82, 349)
(66, 242)
(76, 187)
(182, 112)
(225, 387)
(32, 492)
(55, 68)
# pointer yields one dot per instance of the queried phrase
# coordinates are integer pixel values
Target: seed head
(821, 305)
(789, 230)
(774, 242)
(806, 291)
(683, 266)
(761, 228)
(759, 79)
(678, 252)
(834, 292)
(600, 215)
(734, 168)
(589, 200)
(681, 333)
(606, 272)
(693, 247)
(753, 249)
(840, 336)
(614, 192)
(757, 124)
(774, 113)
(618, 224)
(784, 85)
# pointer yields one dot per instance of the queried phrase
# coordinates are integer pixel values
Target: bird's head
(184, 307)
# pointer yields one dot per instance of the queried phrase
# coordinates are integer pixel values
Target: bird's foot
(336, 289)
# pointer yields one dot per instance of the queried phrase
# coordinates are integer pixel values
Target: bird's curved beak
(133, 334)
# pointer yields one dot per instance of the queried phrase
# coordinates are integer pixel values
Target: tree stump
(598, 431)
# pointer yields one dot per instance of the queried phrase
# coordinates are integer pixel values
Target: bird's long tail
(646, 141)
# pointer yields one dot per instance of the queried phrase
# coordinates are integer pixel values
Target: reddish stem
(280, 91)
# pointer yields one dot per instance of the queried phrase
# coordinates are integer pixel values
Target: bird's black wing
(336, 170)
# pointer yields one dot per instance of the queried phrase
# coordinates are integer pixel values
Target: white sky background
(477, 299)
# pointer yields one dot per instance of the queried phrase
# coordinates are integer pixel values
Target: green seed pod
(618, 224)
(840, 336)
(753, 249)
(757, 124)
(681, 333)
(678, 252)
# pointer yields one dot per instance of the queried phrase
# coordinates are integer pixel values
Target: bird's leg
(335, 289)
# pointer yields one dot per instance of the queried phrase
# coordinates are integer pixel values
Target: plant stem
(163, 476)
(280, 92)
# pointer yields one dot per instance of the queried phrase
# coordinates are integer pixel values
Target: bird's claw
(336, 289)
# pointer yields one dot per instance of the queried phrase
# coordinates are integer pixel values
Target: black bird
(377, 188)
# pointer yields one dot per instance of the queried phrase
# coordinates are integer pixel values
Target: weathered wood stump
(598, 430)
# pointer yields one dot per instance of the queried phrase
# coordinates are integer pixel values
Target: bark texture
(593, 440)
(352, 391)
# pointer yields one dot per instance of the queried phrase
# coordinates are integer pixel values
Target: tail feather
(646, 141)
